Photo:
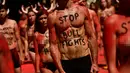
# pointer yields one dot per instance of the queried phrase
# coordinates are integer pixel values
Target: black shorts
(80, 65)
(15, 58)
(32, 50)
(50, 65)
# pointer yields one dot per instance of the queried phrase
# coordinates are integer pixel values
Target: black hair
(3, 7)
(37, 26)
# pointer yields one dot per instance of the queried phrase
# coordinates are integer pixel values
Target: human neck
(32, 23)
(43, 29)
(2, 21)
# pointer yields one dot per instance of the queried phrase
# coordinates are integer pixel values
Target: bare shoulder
(51, 18)
(92, 12)
(112, 7)
(11, 21)
(52, 15)
(111, 20)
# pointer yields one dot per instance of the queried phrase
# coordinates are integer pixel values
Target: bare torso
(23, 27)
(30, 34)
(43, 46)
(72, 39)
(8, 30)
(91, 17)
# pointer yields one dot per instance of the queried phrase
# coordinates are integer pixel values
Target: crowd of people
(66, 37)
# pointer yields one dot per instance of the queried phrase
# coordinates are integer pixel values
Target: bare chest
(106, 13)
(68, 18)
(7, 30)
(43, 38)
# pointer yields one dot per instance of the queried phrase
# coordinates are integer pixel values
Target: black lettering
(63, 43)
(77, 33)
(61, 19)
(73, 31)
(69, 42)
(83, 41)
(69, 33)
(76, 15)
(65, 17)
(76, 42)
(80, 41)
(64, 34)
(128, 22)
(124, 26)
(71, 17)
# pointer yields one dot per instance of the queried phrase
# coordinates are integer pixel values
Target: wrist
(38, 72)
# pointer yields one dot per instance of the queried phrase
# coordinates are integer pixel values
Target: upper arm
(110, 42)
(52, 30)
(35, 43)
(96, 20)
(16, 30)
(88, 25)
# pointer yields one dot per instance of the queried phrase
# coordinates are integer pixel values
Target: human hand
(94, 68)
(62, 71)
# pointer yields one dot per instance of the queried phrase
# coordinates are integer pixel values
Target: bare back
(119, 36)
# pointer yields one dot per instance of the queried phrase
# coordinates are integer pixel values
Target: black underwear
(50, 65)
(79, 65)
(32, 49)
(15, 58)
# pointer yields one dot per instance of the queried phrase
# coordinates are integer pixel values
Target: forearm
(98, 35)
(93, 49)
(112, 69)
(56, 57)
(37, 60)
(19, 44)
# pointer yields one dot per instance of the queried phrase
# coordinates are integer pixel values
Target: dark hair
(101, 7)
(40, 12)
(3, 7)
(95, 5)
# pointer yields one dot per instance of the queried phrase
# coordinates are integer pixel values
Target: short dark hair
(3, 7)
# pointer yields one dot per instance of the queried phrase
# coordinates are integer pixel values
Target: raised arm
(54, 44)
(110, 45)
